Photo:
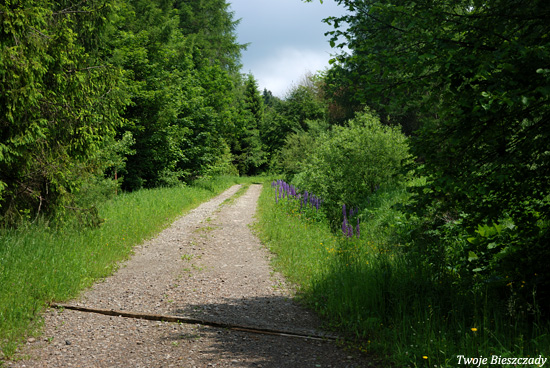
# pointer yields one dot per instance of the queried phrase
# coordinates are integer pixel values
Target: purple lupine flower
(350, 231)
(357, 228)
(345, 226)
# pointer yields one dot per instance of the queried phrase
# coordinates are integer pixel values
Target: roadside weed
(372, 289)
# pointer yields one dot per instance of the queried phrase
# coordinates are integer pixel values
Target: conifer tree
(58, 101)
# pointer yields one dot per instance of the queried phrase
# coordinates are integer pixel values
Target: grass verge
(39, 264)
(373, 290)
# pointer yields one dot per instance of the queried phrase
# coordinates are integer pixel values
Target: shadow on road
(259, 350)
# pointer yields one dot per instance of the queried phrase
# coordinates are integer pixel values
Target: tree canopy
(160, 77)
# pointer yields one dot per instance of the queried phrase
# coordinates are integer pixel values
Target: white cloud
(285, 67)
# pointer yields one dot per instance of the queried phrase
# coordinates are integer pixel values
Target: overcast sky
(286, 39)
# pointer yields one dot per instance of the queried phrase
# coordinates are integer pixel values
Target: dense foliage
(352, 162)
(59, 101)
(97, 95)
(180, 87)
(470, 81)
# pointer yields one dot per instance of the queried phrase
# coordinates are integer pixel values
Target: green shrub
(351, 162)
(298, 147)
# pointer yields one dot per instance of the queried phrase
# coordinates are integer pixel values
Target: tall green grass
(375, 290)
(40, 264)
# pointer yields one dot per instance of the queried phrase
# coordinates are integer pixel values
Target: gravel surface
(207, 265)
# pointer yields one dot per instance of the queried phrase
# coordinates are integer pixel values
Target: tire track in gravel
(207, 265)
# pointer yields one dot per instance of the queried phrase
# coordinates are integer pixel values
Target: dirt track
(207, 265)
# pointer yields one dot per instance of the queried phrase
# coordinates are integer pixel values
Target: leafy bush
(351, 162)
(298, 147)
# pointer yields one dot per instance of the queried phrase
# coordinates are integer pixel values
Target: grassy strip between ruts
(372, 289)
(39, 264)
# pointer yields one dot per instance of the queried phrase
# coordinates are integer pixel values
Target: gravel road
(207, 265)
